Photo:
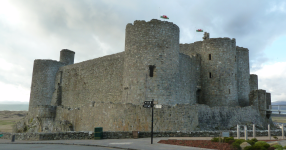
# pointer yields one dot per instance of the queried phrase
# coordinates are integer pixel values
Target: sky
(39, 29)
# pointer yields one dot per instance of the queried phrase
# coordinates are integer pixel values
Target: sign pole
(152, 104)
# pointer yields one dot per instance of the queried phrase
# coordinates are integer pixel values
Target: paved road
(130, 144)
(50, 147)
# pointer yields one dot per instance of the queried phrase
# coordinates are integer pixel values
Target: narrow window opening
(210, 56)
(151, 69)
(229, 91)
(235, 76)
(210, 75)
(235, 58)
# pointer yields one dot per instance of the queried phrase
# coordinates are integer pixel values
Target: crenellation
(205, 85)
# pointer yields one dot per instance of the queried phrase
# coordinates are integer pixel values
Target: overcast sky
(39, 29)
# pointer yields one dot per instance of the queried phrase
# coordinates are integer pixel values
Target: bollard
(245, 132)
(13, 138)
(269, 135)
(254, 131)
(238, 132)
(283, 131)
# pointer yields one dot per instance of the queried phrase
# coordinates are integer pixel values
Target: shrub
(239, 141)
(236, 145)
(258, 147)
(248, 148)
(275, 137)
(284, 147)
(250, 142)
(279, 147)
(227, 139)
(215, 139)
(254, 139)
(262, 144)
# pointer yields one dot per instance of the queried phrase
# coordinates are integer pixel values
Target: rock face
(202, 86)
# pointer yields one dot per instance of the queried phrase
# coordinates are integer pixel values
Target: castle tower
(43, 82)
(218, 71)
(67, 56)
(253, 82)
(242, 77)
(151, 66)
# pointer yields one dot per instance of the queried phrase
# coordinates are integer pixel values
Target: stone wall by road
(122, 135)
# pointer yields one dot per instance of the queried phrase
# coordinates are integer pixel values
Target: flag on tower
(164, 17)
(200, 30)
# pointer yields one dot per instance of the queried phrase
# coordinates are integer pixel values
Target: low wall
(121, 135)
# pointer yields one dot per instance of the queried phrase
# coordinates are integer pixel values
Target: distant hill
(278, 103)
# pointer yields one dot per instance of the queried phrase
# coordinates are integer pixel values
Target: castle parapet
(67, 56)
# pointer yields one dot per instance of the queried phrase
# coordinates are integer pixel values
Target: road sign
(147, 106)
(158, 106)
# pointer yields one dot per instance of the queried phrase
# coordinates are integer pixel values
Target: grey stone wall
(253, 82)
(242, 76)
(93, 81)
(123, 135)
(253, 99)
(268, 100)
(262, 101)
(43, 82)
(67, 56)
(151, 43)
(185, 94)
(221, 88)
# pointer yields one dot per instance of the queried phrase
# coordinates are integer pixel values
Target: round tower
(242, 77)
(151, 66)
(253, 82)
(67, 56)
(43, 82)
(218, 71)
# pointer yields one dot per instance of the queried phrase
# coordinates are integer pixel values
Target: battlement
(241, 48)
(152, 23)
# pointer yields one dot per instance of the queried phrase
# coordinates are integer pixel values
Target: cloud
(272, 78)
(39, 29)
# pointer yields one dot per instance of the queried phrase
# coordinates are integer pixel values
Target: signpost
(150, 104)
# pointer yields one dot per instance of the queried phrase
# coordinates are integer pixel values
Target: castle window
(235, 58)
(210, 75)
(229, 91)
(210, 56)
(151, 69)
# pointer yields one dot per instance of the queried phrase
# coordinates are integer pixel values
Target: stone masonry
(205, 85)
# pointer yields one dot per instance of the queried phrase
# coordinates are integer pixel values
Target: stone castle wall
(43, 82)
(93, 81)
(151, 44)
(219, 86)
(253, 82)
(242, 76)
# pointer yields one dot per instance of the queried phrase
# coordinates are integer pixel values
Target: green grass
(6, 122)
(279, 119)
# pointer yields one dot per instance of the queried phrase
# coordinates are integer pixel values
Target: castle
(205, 85)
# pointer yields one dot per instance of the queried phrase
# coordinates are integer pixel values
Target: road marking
(121, 143)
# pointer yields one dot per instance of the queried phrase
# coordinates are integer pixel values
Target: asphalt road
(51, 147)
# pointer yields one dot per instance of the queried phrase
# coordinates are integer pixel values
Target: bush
(258, 147)
(239, 141)
(279, 147)
(227, 139)
(262, 144)
(250, 142)
(275, 137)
(236, 145)
(254, 139)
(284, 147)
(248, 148)
(215, 139)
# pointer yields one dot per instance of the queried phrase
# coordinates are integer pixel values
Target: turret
(151, 66)
(67, 56)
